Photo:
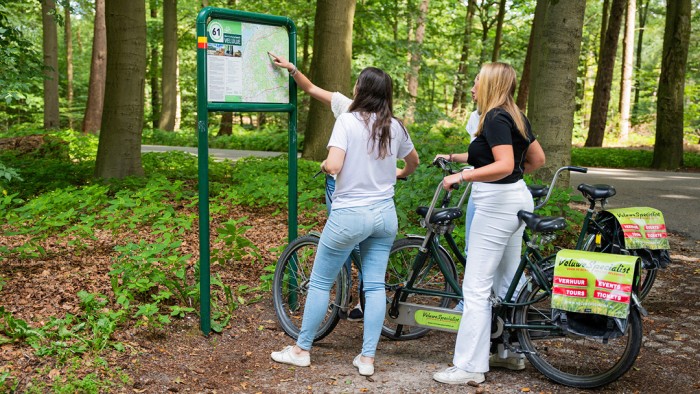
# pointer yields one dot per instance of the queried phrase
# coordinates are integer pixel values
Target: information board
(239, 68)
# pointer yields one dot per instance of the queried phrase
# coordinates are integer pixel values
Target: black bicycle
(588, 351)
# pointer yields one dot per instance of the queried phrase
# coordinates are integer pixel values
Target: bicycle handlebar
(554, 180)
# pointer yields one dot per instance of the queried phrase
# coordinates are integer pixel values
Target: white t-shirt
(473, 124)
(365, 179)
(339, 104)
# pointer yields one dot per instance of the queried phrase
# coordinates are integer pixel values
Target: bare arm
(302, 81)
(499, 169)
(411, 161)
(534, 158)
(334, 161)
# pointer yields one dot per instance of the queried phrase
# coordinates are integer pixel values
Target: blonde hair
(496, 87)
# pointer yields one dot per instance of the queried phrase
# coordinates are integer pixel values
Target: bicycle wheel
(403, 254)
(290, 286)
(647, 275)
(570, 359)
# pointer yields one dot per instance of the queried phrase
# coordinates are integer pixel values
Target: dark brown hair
(373, 96)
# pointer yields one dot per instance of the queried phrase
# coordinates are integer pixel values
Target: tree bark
(668, 150)
(98, 68)
(556, 50)
(499, 31)
(627, 64)
(459, 100)
(638, 66)
(603, 78)
(524, 86)
(330, 69)
(415, 63)
(68, 41)
(50, 48)
(154, 73)
(169, 68)
(119, 147)
(603, 26)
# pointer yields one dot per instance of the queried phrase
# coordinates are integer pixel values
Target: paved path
(675, 194)
(230, 154)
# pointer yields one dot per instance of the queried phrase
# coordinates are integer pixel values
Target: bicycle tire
(569, 359)
(647, 275)
(401, 259)
(291, 278)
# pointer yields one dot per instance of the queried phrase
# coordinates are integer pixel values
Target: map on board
(239, 69)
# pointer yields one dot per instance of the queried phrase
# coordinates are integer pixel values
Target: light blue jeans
(374, 228)
(330, 189)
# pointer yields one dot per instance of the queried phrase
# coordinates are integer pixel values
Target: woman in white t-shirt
(339, 104)
(362, 152)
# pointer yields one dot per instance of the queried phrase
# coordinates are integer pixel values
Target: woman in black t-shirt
(504, 149)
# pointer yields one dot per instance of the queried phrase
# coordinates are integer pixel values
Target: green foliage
(236, 246)
(623, 158)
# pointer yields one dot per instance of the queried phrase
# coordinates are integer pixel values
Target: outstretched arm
(302, 81)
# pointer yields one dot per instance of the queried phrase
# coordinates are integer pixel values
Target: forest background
(93, 273)
(433, 49)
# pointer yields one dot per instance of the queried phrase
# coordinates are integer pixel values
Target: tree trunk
(556, 50)
(226, 125)
(154, 72)
(415, 63)
(50, 48)
(459, 100)
(603, 78)
(68, 40)
(524, 86)
(119, 148)
(169, 68)
(603, 26)
(330, 69)
(627, 64)
(499, 31)
(638, 67)
(98, 68)
(668, 150)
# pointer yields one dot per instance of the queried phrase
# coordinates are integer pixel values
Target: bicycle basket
(612, 240)
(589, 325)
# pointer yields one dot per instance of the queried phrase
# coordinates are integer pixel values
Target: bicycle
(405, 250)
(564, 356)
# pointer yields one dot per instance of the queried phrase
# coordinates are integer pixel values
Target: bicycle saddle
(538, 191)
(596, 192)
(440, 214)
(541, 224)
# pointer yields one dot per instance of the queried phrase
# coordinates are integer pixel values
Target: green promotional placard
(239, 68)
(643, 227)
(591, 282)
(448, 321)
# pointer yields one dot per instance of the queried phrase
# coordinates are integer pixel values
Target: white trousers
(495, 243)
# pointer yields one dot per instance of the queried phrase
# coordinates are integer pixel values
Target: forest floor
(181, 359)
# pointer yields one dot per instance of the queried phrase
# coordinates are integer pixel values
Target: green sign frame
(204, 107)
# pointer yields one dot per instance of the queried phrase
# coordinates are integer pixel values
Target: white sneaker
(287, 356)
(365, 369)
(454, 375)
(512, 363)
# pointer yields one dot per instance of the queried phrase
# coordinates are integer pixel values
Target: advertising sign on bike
(643, 227)
(591, 282)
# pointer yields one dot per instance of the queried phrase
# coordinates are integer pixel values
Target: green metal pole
(203, 168)
(292, 174)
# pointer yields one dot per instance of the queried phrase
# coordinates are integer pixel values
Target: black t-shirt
(499, 129)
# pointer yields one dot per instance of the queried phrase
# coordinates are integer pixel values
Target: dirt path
(238, 360)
